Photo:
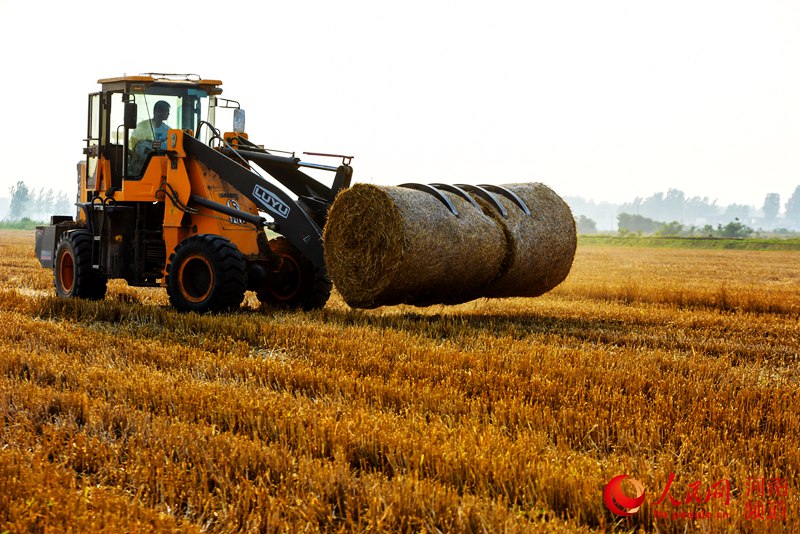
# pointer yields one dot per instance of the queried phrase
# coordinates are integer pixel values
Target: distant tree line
(637, 224)
(674, 213)
(585, 225)
(674, 205)
(27, 203)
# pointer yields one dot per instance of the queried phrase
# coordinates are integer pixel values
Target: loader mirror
(130, 115)
(238, 120)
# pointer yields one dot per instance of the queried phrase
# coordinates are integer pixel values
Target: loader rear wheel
(295, 283)
(73, 275)
(206, 273)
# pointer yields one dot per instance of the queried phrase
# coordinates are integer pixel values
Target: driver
(147, 131)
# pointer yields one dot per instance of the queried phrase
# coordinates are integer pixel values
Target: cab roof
(141, 81)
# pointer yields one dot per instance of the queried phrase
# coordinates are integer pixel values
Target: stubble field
(508, 415)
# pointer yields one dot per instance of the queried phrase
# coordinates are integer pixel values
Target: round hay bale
(540, 246)
(393, 245)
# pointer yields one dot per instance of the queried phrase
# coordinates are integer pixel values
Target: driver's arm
(142, 132)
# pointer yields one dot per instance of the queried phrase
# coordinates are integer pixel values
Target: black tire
(296, 283)
(73, 275)
(206, 273)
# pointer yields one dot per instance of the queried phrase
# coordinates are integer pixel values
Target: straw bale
(540, 247)
(393, 245)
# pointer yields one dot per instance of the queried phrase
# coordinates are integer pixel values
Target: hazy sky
(604, 99)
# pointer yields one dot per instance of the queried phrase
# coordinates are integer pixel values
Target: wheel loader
(176, 203)
(165, 198)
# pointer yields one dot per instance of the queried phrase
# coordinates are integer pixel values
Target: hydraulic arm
(300, 221)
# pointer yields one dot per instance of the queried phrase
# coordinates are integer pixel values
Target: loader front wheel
(206, 273)
(294, 283)
(73, 274)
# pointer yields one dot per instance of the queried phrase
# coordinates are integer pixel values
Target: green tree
(772, 205)
(793, 208)
(636, 223)
(734, 229)
(64, 205)
(673, 228)
(20, 201)
(43, 203)
(737, 211)
(585, 225)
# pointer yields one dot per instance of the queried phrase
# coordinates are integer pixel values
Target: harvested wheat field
(678, 368)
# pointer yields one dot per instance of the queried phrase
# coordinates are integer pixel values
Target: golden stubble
(495, 415)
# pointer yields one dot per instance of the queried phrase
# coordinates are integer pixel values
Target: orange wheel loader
(165, 199)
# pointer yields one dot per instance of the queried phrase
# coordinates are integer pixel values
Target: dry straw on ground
(540, 246)
(496, 416)
(392, 245)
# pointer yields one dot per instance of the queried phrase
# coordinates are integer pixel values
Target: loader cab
(125, 131)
